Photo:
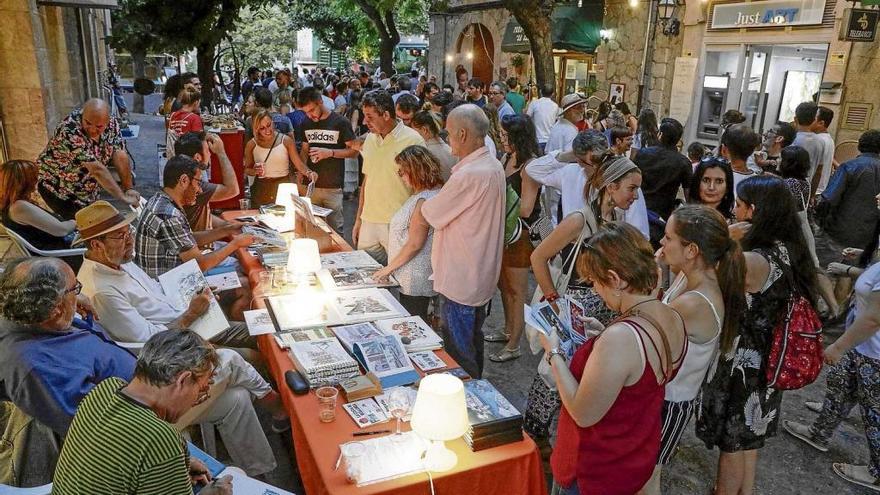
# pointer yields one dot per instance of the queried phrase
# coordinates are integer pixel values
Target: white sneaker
(802, 432)
(814, 406)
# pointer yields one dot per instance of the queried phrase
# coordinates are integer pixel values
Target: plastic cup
(327, 403)
(352, 456)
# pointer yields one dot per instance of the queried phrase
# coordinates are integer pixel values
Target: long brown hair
(420, 166)
(18, 180)
(706, 228)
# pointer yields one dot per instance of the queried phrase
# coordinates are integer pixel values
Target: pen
(366, 433)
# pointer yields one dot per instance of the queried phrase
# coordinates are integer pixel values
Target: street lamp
(665, 10)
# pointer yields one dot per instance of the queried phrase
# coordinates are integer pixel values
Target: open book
(181, 284)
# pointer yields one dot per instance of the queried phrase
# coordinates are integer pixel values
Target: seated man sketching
(50, 360)
(132, 306)
(165, 240)
(123, 439)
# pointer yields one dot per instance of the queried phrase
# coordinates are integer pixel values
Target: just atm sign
(772, 13)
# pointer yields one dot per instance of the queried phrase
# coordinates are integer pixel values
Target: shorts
(676, 416)
(518, 254)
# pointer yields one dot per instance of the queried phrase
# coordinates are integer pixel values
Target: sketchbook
(386, 357)
(322, 361)
(181, 284)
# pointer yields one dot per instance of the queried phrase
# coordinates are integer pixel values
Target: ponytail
(731, 272)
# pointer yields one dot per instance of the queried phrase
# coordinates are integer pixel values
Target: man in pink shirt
(468, 220)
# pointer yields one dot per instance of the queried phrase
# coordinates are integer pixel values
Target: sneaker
(802, 432)
(505, 355)
(816, 407)
(496, 337)
(859, 475)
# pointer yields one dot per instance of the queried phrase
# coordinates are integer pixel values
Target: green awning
(574, 28)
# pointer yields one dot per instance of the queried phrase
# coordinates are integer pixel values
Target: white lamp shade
(440, 412)
(304, 257)
(285, 191)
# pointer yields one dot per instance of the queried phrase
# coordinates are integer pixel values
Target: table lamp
(440, 414)
(303, 260)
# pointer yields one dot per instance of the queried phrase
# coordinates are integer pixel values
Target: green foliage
(264, 36)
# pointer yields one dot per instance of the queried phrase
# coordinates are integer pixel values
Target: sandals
(859, 475)
(496, 337)
(505, 355)
(802, 432)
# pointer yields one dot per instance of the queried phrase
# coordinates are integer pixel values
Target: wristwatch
(554, 352)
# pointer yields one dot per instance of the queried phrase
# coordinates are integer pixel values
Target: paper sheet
(259, 322)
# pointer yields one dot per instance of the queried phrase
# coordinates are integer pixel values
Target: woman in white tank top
(710, 285)
(267, 157)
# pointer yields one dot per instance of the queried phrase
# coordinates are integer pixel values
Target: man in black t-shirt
(327, 140)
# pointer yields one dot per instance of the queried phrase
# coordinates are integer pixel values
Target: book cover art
(366, 412)
(486, 405)
(366, 305)
(359, 332)
(315, 355)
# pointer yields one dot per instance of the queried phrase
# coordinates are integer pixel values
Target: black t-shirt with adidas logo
(331, 133)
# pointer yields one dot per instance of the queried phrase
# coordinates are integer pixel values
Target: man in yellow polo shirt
(383, 192)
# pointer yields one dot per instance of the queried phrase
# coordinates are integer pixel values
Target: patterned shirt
(162, 234)
(61, 164)
(117, 445)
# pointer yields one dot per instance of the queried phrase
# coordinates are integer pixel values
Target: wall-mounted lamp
(449, 57)
(470, 55)
(633, 3)
(605, 35)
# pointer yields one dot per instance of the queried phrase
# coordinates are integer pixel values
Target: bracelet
(332, 153)
(554, 352)
(847, 271)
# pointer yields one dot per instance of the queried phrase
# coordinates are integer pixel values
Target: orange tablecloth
(510, 469)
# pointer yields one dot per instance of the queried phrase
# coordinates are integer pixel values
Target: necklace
(630, 311)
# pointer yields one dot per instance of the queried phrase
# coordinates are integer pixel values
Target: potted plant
(518, 62)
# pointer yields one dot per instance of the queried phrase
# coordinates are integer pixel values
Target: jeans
(463, 326)
(854, 380)
(332, 199)
(559, 490)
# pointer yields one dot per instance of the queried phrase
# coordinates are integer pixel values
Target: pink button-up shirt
(468, 219)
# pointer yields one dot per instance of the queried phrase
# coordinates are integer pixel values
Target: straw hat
(99, 218)
(571, 100)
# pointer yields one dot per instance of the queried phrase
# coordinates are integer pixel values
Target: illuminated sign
(772, 13)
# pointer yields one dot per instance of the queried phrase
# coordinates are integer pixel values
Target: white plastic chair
(37, 490)
(29, 248)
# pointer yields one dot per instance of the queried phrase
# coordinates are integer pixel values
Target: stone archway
(475, 45)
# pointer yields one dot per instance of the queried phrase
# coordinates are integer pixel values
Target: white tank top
(278, 164)
(687, 383)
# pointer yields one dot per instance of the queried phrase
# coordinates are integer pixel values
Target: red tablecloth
(233, 143)
(510, 469)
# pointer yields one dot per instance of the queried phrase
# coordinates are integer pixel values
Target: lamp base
(438, 458)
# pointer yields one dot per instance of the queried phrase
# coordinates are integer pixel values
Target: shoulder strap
(570, 261)
(274, 140)
(664, 342)
(712, 306)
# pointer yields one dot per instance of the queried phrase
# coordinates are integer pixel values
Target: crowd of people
(685, 257)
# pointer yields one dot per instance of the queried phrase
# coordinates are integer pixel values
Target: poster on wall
(616, 93)
(799, 86)
(683, 80)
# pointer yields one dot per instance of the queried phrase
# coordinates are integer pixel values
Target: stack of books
(323, 361)
(493, 419)
(415, 334)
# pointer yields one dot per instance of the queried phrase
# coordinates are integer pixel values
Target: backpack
(512, 222)
(795, 357)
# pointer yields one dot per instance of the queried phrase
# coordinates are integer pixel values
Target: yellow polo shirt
(385, 192)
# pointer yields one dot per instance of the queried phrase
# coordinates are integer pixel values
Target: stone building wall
(495, 20)
(860, 85)
(619, 60)
(41, 55)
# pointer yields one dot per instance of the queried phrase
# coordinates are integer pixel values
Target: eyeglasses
(769, 133)
(124, 235)
(76, 289)
(493, 93)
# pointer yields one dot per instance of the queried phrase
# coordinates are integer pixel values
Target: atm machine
(712, 105)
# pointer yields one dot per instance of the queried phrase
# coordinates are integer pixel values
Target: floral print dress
(738, 410)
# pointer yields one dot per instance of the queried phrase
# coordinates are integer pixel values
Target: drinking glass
(327, 403)
(399, 404)
(244, 204)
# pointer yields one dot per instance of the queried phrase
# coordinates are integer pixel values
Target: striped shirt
(116, 445)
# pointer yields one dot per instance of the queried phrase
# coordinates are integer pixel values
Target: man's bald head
(467, 126)
(95, 117)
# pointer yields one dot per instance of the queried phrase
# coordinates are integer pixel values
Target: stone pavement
(785, 465)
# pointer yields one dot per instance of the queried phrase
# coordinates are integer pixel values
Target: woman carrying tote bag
(609, 193)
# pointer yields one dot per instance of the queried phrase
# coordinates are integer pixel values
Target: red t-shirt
(183, 121)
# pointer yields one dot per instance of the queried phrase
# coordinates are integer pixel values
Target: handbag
(561, 274)
(795, 357)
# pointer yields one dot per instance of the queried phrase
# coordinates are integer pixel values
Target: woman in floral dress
(739, 411)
